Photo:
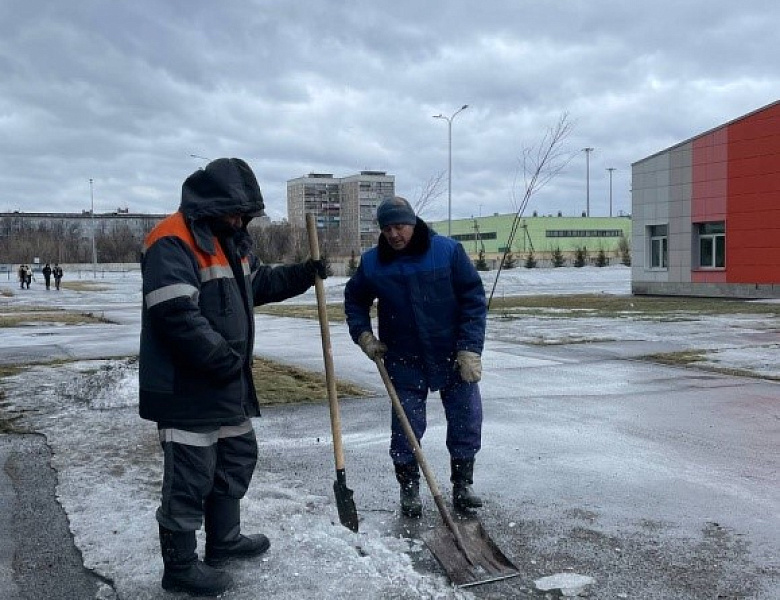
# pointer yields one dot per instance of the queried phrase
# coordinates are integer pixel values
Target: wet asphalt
(38, 559)
(658, 482)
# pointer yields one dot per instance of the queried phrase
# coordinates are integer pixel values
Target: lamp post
(610, 169)
(92, 219)
(587, 152)
(449, 163)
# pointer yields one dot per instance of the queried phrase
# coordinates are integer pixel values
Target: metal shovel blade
(344, 502)
(482, 562)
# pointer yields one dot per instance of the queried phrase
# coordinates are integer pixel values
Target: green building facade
(541, 236)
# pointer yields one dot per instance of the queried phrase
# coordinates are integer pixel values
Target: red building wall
(753, 198)
(709, 190)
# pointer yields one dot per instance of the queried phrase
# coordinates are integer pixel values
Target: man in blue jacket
(201, 283)
(432, 313)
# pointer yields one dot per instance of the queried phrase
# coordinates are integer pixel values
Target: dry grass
(302, 311)
(284, 384)
(605, 305)
(84, 286)
(578, 305)
(693, 358)
(21, 317)
(682, 358)
(8, 420)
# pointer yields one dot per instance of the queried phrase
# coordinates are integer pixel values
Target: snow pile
(109, 469)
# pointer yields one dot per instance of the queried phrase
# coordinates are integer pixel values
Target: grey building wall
(679, 213)
(650, 206)
(661, 195)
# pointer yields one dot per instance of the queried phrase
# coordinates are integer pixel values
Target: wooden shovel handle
(327, 352)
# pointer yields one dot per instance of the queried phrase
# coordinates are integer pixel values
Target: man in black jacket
(47, 275)
(200, 285)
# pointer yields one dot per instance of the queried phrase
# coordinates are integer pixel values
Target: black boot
(408, 476)
(463, 497)
(223, 533)
(183, 571)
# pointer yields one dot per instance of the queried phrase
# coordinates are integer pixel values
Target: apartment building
(345, 207)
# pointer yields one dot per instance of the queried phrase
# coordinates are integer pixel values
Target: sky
(125, 93)
(86, 406)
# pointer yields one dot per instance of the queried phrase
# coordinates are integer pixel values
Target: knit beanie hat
(395, 211)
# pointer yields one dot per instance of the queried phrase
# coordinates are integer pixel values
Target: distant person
(46, 275)
(431, 314)
(28, 275)
(22, 274)
(57, 273)
(201, 282)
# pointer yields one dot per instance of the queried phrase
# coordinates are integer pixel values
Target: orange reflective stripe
(176, 226)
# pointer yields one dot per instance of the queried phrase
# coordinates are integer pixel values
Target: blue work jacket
(431, 304)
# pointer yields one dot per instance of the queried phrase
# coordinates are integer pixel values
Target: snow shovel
(345, 504)
(464, 550)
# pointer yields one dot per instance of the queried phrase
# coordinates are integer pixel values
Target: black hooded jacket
(199, 290)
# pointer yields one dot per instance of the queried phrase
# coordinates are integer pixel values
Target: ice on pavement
(569, 584)
(109, 464)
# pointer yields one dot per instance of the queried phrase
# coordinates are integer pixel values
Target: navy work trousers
(463, 410)
(199, 462)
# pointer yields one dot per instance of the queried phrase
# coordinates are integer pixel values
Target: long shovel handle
(327, 352)
(418, 453)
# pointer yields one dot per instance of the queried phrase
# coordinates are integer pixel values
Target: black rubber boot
(224, 540)
(183, 571)
(463, 497)
(408, 476)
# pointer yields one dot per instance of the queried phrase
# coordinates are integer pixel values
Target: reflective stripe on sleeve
(169, 292)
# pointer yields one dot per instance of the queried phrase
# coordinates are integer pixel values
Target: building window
(712, 245)
(581, 233)
(470, 237)
(659, 246)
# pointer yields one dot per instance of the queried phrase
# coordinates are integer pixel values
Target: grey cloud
(125, 92)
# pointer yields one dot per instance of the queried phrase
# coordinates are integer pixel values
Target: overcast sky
(125, 92)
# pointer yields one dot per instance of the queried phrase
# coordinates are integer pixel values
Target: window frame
(713, 233)
(658, 247)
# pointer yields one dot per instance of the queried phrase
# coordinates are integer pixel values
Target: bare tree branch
(537, 165)
(429, 193)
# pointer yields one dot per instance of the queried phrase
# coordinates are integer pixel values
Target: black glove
(317, 267)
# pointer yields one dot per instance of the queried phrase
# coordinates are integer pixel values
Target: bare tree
(537, 165)
(429, 193)
(272, 242)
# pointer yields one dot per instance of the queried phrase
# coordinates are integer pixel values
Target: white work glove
(470, 366)
(371, 346)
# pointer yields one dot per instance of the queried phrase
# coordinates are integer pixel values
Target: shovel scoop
(464, 550)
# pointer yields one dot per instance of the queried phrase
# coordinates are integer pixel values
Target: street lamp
(587, 152)
(449, 164)
(92, 218)
(610, 169)
(200, 157)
